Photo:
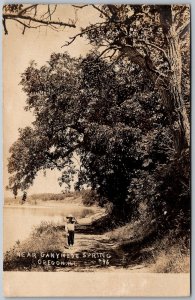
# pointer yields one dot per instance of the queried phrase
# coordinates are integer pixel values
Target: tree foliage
(106, 113)
(123, 110)
(153, 37)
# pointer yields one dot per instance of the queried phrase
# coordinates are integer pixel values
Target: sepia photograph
(96, 142)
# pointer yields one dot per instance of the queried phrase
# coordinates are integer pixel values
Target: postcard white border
(148, 285)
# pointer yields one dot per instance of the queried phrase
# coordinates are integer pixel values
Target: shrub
(172, 253)
(89, 197)
(172, 260)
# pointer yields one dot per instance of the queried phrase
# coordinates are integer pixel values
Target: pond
(20, 220)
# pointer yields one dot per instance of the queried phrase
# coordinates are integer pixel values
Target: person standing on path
(70, 229)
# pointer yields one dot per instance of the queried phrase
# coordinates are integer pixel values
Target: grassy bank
(129, 245)
(45, 238)
(167, 254)
(171, 255)
(46, 244)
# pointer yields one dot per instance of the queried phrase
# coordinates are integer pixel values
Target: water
(19, 221)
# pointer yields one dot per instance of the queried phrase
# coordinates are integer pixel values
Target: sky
(18, 51)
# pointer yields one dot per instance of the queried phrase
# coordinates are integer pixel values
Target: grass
(169, 254)
(172, 261)
(134, 231)
(45, 238)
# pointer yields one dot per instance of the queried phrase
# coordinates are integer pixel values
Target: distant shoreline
(46, 206)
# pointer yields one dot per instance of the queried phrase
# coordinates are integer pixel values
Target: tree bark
(169, 89)
(174, 52)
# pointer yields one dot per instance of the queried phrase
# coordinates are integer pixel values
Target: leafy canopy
(123, 111)
(105, 113)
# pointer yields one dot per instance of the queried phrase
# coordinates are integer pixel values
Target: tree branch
(14, 16)
(102, 12)
(19, 17)
(104, 51)
(142, 61)
(72, 39)
(27, 25)
(184, 29)
(80, 6)
(114, 52)
(158, 48)
(4, 26)
(54, 156)
(117, 59)
(180, 12)
(26, 9)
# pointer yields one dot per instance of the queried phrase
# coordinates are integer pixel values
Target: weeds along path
(46, 249)
(92, 252)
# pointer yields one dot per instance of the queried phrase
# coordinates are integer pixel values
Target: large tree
(106, 113)
(155, 37)
(123, 110)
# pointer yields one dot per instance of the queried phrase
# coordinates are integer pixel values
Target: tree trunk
(169, 89)
(181, 125)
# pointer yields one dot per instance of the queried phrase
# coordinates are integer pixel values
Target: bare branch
(25, 25)
(80, 6)
(4, 26)
(49, 12)
(111, 55)
(101, 11)
(104, 51)
(140, 60)
(45, 16)
(72, 39)
(117, 59)
(22, 17)
(35, 13)
(28, 25)
(158, 48)
(55, 7)
(114, 52)
(26, 9)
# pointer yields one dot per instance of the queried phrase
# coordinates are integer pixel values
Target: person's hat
(69, 216)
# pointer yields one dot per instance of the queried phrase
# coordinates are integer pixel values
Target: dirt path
(92, 252)
(92, 242)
